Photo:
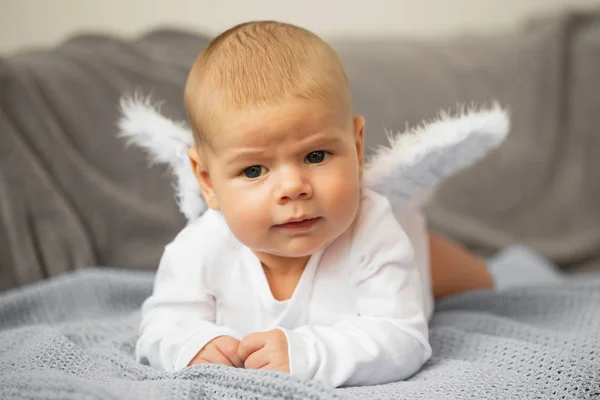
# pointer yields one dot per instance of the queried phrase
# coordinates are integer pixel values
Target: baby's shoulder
(375, 217)
(377, 236)
(206, 241)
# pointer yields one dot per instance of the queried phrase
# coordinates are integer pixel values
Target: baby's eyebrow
(324, 139)
(309, 144)
(245, 152)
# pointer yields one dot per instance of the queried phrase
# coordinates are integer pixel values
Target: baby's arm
(388, 339)
(178, 319)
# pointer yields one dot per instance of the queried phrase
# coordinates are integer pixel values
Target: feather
(166, 142)
(419, 159)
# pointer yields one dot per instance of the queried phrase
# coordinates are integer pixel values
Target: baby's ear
(359, 139)
(203, 177)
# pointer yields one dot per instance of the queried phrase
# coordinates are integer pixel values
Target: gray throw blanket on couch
(74, 336)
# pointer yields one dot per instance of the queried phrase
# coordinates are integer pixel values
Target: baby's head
(278, 150)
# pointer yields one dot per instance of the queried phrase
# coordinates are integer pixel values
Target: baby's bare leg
(454, 269)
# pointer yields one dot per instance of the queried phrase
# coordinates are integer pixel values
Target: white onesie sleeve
(178, 319)
(388, 339)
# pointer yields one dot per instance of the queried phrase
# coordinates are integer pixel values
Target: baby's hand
(265, 350)
(221, 350)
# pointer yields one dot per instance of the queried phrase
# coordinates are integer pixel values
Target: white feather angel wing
(414, 163)
(419, 159)
(167, 142)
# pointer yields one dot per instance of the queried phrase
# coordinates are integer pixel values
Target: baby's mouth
(298, 225)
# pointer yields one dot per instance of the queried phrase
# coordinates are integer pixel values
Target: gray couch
(73, 196)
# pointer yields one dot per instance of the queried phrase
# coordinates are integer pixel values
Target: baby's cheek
(245, 216)
(343, 195)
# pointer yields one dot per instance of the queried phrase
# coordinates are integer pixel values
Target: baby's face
(286, 178)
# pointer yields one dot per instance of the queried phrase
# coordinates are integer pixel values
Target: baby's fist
(265, 350)
(221, 350)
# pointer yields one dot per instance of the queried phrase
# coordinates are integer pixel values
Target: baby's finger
(276, 367)
(198, 360)
(257, 360)
(214, 356)
(269, 367)
(230, 350)
(235, 359)
(250, 344)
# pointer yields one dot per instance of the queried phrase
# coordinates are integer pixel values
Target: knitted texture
(73, 337)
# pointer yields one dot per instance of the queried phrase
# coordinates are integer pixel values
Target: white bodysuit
(358, 315)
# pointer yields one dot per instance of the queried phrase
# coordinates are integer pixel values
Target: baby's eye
(316, 157)
(253, 172)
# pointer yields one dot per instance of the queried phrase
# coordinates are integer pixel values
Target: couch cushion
(72, 195)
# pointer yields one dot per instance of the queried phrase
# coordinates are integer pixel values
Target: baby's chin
(298, 250)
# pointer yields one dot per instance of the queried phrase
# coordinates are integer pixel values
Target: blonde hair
(260, 64)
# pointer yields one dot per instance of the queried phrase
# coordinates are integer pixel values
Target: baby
(295, 267)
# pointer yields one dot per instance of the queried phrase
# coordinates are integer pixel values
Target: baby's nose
(294, 186)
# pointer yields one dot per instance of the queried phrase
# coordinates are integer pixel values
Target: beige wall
(25, 23)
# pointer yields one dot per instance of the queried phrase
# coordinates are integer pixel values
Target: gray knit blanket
(73, 337)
